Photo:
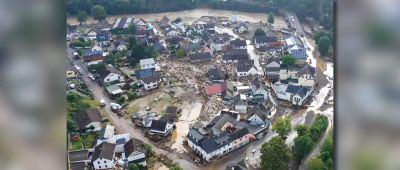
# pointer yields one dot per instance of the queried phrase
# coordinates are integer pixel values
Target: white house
(141, 22)
(234, 18)
(242, 27)
(109, 74)
(103, 156)
(299, 74)
(262, 40)
(151, 82)
(258, 115)
(194, 40)
(240, 103)
(134, 152)
(88, 118)
(147, 63)
(172, 33)
(296, 94)
(96, 47)
(273, 67)
(161, 127)
(246, 70)
(120, 46)
(114, 89)
(259, 87)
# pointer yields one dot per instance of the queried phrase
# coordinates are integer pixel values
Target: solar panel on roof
(121, 141)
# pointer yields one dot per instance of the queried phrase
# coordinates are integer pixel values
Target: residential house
(232, 114)
(296, 94)
(246, 68)
(235, 55)
(256, 131)
(145, 118)
(103, 156)
(147, 64)
(140, 34)
(70, 71)
(306, 76)
(225, 37)
(151, 82)
(107, 135)
(123, 22)
(80, 158)
(206, 38)
(173, 40)
(200, 57)
(194, 39)
(240, 138)
(95, 47)
(114, 89)
(151, 40)
(159, 47)
(299, 53)
(292, 40)
(160, 127)
(134, 152)
(164, 21)
(240, 103)
(87, 118)
(298, 74)
(72, 28)
(238, 44)
(242, 27)
(188, 31)
(94, 31)
(258, 115)
(263, 40)
(93, 58)
(177, 24)
(273, 67)
(103, 39)
(107, 132)
(217, 45)
(259, 89)
(225, 90)
(120, 45)
(210, 32)
(172, 33)
(141, 22)
(237, 166)
(193, 48)
(109, 74)
(216, 75)
(143, 73)
(219, 124)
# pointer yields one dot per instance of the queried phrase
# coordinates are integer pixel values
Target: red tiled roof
(213, 89)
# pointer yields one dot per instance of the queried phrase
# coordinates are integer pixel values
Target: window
(154, 85)
(241, 74)
(98, 162)
(105, 162)
(244, 73)
(234, 142)
(245, 137)
(106, 166)
(148, 86)
(302, 77)
(99, 166)
(240, 139)
(108, 80)
(70, 73)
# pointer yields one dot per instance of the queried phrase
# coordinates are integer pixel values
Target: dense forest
(321, 10)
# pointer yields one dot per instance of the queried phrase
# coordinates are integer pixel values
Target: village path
(122, 124)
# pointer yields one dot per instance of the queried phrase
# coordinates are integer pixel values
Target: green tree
(316, 164)
(275, 154)
(327, 149)
(319, 127)
(99, 13)
(79, 51)
(88, 43)
(259, 32)
(133, 62)
(118, 56)
(71, 125)
(82, 17)
(330, 36)
(271, 18)
(318, 35)
(302, 129)
(288, 60)
(133, 166)
(303, 145)
(131, 95)
(323, 45)
(132, 29)
(180, 53)
(149, 149)
(175, 168)
(329, 164)
(111, 58)
(82, 39)
(283, 126)
(132, 42)
(121, 100)
(150, 51)
(79, 44)
(138, 51)
(134, 87)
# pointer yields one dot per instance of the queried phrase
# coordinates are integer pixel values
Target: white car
(91, 77)
(291, 16)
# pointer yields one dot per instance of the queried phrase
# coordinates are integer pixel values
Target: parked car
(91, 77)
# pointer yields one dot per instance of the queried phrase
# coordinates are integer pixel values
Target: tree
(175, 168)
(327, 149)
(323, 45)
(81, 39)
(282, 126)
(132, 42)
(303, 145)
(180, 53)
(318, 35)
(275, 154)
(118, 56)
(133, 166)
(288, 60)
(79, 44)
(111, 58)
(133, 62)
(149, 149)
(302, 129)
(99, 13)
(88, 43)
(259, 32)
(316, 164)
(138, 51)
(71, 125)
(82, 17)
(271, 18)
(131, 95)
(132, 29)
(121, 100)
(329, 164)
(330, 36)
(79, 51)
(150, 51)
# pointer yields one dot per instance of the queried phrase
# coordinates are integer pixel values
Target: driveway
(123, 125)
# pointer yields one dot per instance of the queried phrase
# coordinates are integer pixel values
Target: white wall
(283, 74)
(306, 80)
(262, 91)
(259, 44)
(96, 48)
(241, 29)
(150, 85)
(102, 163)
(94, 62)
(121, 48)
(255, 120)
(172, 33)
(147, 66)
(97, 126)
(136, 157)
(92, 34)
(252, 71)
(273, 65)
(111, 77)
(279, 95)
(241, 109)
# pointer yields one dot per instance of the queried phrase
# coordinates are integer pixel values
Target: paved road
(296, 22)
(123, 125)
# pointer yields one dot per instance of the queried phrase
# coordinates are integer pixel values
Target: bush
(132, 95)
(106, 120)
(319, 127)
(126, 76)
(121, 100)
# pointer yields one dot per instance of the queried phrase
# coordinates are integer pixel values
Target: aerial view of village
(204, 86)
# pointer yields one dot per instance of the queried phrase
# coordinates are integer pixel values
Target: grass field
(77, 145)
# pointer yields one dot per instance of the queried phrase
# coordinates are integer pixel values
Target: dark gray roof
(265, 39)
(272, 59)
(222, 120)
(150, 79)
(231, 114)
(88, 54)
(171, 110)
(105, 150)
(258, 83)
(239, 133)
(205, 36)
(244, 68)
(236, 57)
(210, 145)
(236, 51)
(253, 129)
(237, 100)
(173, 40)
(102, 37)
(152, 40)
(295, 67)
(211, 32)
(159, 46)
(133, 145)
(237, 166)
(216, 74)
(209, 25)
(242, 24)
(192, 46)
(87, 116)
(238, 43)
(143, 73)
(77, 156)
(196, 134)
(105, 70)
(77, 166)
(164, 19)
(223, 137)
(270, 47)
(301, 90)
(158, 125)
(142, 33)
(70, 67)
(227, 94)
(199, 56)
(256, 111)
(72, 28)
(299, 53)
(307, 69)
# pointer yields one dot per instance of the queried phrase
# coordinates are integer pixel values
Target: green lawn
(93, 103)
(68, 60)
(133, 108)
(81, 29)
(89, 140)
(77, 145)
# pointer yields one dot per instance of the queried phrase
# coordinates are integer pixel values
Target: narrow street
(121, 124)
